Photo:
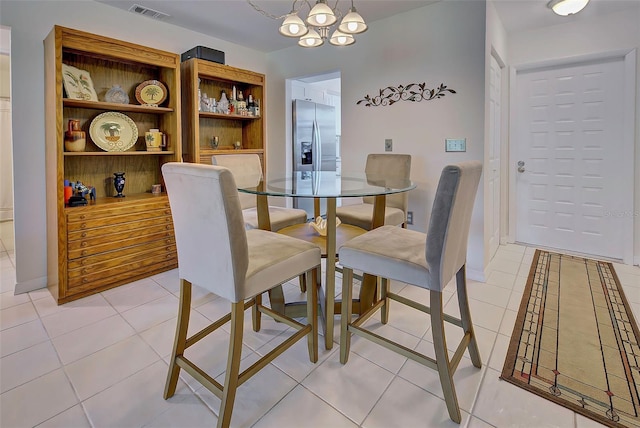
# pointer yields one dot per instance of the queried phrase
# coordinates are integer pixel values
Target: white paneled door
(569, 158)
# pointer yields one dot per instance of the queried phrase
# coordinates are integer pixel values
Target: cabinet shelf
(227, 116)
(103, 105)
(131, 153)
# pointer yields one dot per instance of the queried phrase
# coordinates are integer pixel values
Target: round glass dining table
(328, 185)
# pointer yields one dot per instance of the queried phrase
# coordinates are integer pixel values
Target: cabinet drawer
(122, 273)
(116, 238)
(77, 249)
(117, 259)
(94, 212)
(110, 255)
(92, 221)
(165, 222)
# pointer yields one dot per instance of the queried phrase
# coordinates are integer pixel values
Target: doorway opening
(7, 235)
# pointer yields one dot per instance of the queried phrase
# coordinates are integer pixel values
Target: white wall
(415, 47)
(616, 32)
(30, 22)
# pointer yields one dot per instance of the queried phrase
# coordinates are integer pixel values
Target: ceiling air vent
(145, 11)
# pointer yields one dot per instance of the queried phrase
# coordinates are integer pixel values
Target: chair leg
(233, 365)
(303, 283)
(465, 316)
(347, 311)
(384, 311)
(180, 341)
(442, 356)
(312, 314)
(256, 315)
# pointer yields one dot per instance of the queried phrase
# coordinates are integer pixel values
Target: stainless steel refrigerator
(314, 146)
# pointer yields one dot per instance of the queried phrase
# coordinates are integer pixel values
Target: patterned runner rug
(575, 341)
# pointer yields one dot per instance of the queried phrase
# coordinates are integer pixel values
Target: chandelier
(316, 28)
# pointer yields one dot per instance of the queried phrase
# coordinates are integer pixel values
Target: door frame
(628, 57)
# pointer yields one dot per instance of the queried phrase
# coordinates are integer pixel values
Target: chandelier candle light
(315, 29)
(567, 7)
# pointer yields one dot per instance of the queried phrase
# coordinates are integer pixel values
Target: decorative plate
(78, 84)
(116, 95)
(151, 92)
(113, 132)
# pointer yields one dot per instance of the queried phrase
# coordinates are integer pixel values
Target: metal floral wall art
(415, 92)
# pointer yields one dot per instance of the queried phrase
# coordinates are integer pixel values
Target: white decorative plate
(116, 95)
(113, 132)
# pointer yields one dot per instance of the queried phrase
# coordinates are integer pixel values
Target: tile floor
(101, 361)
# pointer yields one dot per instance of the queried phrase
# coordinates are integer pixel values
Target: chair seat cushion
(280, 217)
(275, 259)
(390, 252)
(361, 215)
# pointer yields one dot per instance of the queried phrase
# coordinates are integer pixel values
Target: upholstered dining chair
(424, 260)
(217, 253)
(392, 165)
(247, 171)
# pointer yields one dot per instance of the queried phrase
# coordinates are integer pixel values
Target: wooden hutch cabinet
(200, 126)
(110, 241)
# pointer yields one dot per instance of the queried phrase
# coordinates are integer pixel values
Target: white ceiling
(238, 22)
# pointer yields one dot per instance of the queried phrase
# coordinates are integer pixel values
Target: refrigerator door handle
(316, 144)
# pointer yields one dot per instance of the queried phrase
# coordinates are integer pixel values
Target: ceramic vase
(118, 183)
(75, 139)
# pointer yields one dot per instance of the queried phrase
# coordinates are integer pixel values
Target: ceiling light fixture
(567, 7)
(316, 28)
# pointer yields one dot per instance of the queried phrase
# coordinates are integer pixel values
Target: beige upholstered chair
(217, 253)
(395, 213)
(425, 260)
(247, 172)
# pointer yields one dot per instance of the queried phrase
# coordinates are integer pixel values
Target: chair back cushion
(246, 170)
(209, 228)
(390, 165)
(448, 232)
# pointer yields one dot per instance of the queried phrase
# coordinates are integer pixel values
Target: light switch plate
(388, 145)
(455, 145)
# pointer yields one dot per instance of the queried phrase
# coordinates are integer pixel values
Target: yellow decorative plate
(113, 132)
(151, 92)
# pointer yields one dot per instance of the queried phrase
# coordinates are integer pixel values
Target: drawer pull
(168, 241)
(83, 244)
(83, 225)
(84, 234)
(168, 227)
(83, 261)
(84, 271)
(83, 216)
(168, 248)
(85, 280)
(84, 252)
(169, 256)
(168, 212)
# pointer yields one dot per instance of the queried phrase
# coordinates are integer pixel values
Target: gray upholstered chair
(425, 260)
(395, 214)
(217, 253)
(247, 171)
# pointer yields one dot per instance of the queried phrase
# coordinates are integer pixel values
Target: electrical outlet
(388, 145)
(409, 217)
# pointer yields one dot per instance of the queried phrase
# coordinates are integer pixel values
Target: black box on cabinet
(205, 53)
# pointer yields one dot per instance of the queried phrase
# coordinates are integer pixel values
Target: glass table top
(327, 184)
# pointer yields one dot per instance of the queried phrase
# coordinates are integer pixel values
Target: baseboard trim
(477, 275)
(31, 285)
